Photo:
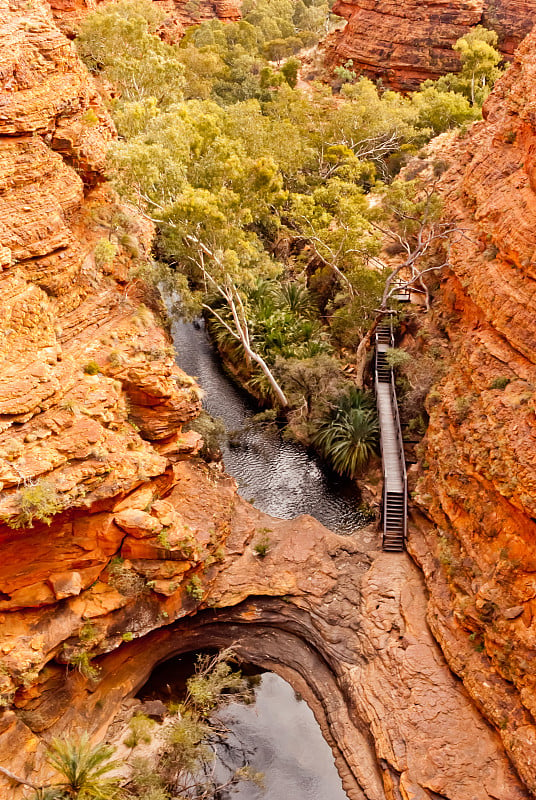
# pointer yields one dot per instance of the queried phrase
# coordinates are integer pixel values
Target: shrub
(396, 357)
(90, 118)
(124, 579)
(91, 368)
(461, 407)
(39, 501)
(140, 730)
(348, 436)
(262, 546)
(81, 661)
(500, 383)
(87, 633)
(212, 429)
(194, 588)
(104, 253)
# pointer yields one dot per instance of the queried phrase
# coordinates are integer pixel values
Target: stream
(280, 478)
(278, 732)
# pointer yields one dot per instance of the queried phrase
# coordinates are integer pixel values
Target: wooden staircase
(394, 502)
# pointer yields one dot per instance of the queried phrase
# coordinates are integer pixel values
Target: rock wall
(404, 43)
(478, 474)
(119, 547)
(180, 14)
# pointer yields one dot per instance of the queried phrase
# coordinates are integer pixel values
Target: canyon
(477, 466)
(151, 551)
(406, 43)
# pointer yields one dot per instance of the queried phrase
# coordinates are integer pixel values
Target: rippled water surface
(281, 478)
(278, 733)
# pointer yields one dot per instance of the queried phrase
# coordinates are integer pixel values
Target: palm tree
(348, 436)
(83, 769)
(295, 297)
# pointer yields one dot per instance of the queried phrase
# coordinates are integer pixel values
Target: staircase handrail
(397, 425)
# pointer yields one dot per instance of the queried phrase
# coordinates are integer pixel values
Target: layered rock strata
(179, 14)
(119, 548)
(404, 43)
(346, 629)
(478, 475)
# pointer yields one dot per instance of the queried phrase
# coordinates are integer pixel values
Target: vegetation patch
(39, 501)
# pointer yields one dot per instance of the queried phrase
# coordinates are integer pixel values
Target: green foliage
(265, 196)
(262, 546)
(348, 436)
(180, 766)
(91, 368)
(38, 501)
(214, 683)
(479, 59)
(500, 383)
(140, 727)
(83, 770)
(396, 357)
(345, 73)
(88, 633)
(194, 588)
(212, 429)
(462, 406)
(119, 42)
(104, 253)
(81, 661)
(90, 118)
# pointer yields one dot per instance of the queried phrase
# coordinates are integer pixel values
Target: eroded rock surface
(478, 480)
(347, 629)
(404, 43)
(179, 14)
(150, 551)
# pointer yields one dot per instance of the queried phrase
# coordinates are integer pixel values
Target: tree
(348, 436)
(480, 60)
(410, 218)
(120, 43)
(479, 67)
(239, 328)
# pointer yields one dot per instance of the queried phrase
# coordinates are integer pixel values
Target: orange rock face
(180, 14)
(479, 477)
(404, 43)
(119, 549)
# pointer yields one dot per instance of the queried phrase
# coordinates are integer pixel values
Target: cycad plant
(84, 770)
(348, 436)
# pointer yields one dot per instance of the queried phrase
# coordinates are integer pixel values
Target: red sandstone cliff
(92, 404)
(179, 14)
(478, 479)
(404, 43)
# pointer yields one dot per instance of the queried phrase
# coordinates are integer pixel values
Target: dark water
(281, 739)
(281, 478)
(278, 733)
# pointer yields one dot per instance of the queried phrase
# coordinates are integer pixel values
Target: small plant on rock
(194, 588)
(262, 546)
(81, 661)
(140, 730)
(39, 501)
(500, 383)
(104, 253)
(91, 368)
